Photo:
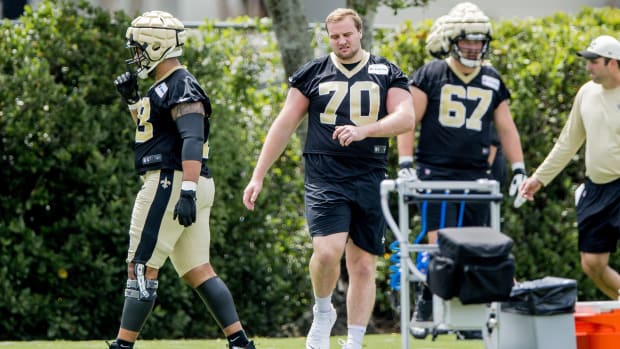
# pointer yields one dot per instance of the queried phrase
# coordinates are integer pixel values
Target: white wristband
(189, 185)
(134, 106)
(405, 158)
(518, 165)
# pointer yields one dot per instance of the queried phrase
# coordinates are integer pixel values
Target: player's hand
(185, 208)
(347, 134)
(407, 171)
(518, 177)
(127, 86)
(251, 193)
(529, 187)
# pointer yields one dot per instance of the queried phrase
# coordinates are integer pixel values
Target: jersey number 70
(340, 90)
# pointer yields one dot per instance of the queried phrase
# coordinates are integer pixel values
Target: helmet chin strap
(471, 63)
(144, 71)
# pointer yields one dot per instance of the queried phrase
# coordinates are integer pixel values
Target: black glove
(185, 208)
(127, 86)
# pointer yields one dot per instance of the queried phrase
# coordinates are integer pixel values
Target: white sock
(324, 305)
(355, 336)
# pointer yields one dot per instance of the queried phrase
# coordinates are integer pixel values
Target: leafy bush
(66, 152)
(66, 155)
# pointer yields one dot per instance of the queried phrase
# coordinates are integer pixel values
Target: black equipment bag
(473, 263)
(547, 296)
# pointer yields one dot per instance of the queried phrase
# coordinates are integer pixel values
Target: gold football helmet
(153, 37)
(465, 21)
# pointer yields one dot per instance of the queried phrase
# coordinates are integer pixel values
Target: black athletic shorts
(598, 217)
(447, 214)
(351, 206)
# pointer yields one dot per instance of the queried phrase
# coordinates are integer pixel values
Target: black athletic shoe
(115, 345)
(248, 346)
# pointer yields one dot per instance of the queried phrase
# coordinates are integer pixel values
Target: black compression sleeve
(191, 128)
(216, 295)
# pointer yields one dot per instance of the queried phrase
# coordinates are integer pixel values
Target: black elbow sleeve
(191, 129)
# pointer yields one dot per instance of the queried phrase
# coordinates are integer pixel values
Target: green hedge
(68, 180)
(66, 155)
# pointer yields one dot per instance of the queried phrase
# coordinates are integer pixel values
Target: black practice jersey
(158, 143)
(342, 96)
(455, 130)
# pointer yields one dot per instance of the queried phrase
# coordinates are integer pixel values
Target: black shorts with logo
(598, 217)
(352, 206)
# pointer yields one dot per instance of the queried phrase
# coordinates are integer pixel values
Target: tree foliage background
(68, 183)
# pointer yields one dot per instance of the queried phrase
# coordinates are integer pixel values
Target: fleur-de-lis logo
(165, 183)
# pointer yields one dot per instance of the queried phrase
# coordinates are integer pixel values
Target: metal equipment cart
(412, 191)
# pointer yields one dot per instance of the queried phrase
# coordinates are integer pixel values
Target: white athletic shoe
(345, 344)
(321, 329)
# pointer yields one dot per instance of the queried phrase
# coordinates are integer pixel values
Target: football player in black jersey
(354, 101)
(171, 212)
(456, 97)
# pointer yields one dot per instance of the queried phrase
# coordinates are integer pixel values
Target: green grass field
(383, 341)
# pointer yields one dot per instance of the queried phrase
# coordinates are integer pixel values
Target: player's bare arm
(279, 134)
(187, 108)
(508, 134)
(406, 140)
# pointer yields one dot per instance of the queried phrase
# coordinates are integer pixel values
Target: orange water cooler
(597, 325)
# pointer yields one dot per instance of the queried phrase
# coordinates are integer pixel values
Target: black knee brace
(138, 305)
(219, 301)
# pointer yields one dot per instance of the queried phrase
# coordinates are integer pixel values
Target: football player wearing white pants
(170, 217)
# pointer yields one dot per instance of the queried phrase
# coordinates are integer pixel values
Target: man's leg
(596, 266)
(325, 262)
(423, 307)
(219, 301)
(324, 274)
(137, 306)
(361, 293)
